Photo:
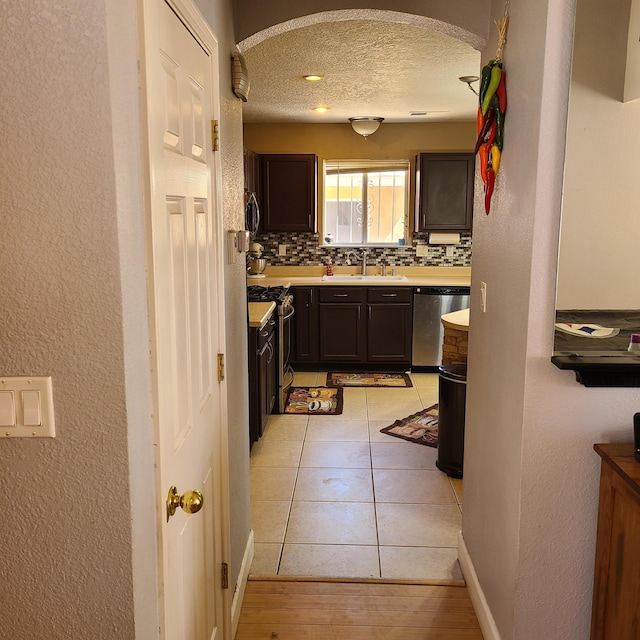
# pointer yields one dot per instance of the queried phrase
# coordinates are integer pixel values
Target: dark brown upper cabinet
(289, 192)
(444, 191)
(251, 171)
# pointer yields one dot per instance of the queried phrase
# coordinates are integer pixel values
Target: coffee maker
(257, 264)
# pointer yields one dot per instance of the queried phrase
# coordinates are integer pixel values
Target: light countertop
(416, 277)
(457, 320)
(259, 313)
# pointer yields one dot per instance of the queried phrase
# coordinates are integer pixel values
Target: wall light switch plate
(28, 403)
(449, 251)
(282, 249)
(422, 250)
(483, 297)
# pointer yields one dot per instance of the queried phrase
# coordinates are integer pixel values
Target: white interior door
(186, 304)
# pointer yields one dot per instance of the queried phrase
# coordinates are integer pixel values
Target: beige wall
(220, 16)
(79, 516)
(466, 20)
(600, 223)
(340, 142)
(68, 311)
(531, 476)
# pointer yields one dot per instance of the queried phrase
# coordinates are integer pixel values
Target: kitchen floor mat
(420, 427)
(368, 380)
(318, 401)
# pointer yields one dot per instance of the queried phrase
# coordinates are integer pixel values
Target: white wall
(600, 222)
(531, 476)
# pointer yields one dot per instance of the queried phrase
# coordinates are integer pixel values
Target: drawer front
(266, 332)
(389, 294)
(341, 294)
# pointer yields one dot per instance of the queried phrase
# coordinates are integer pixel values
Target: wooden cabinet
(342, 325)
(444, 191)
(251, 171)
(358, 325)
(389, 324)
(305, 325)
(615, 613)
(262, 377)
(289, 192)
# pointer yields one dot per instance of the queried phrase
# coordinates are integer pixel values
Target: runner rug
(320, 401)
(368, 380)
(421, 427)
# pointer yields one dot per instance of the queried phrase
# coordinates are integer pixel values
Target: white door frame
(190, 15)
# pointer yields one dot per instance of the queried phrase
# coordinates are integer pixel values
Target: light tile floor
(331, 496)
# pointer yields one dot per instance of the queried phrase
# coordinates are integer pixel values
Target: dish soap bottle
(330, 267)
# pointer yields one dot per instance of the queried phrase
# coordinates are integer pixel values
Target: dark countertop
(628, 321)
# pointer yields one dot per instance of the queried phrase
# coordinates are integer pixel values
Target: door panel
(186, 308)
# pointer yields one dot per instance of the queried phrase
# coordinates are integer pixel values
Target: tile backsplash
(303, 250)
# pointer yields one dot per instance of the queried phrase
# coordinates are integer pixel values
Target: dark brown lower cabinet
(386, 340)
(262, 377)
(357, 325)
(615, 614)
(305, 325)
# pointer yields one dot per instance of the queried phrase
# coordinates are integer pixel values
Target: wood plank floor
(328, 610)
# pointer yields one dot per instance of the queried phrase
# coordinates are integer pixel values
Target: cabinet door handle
(389, 295)
(270, 348)
(340, 295)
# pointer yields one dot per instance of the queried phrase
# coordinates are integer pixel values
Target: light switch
(31, 409)
(26, 407)
(7, 409)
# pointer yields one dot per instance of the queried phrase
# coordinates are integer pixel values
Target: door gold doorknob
(190, 501)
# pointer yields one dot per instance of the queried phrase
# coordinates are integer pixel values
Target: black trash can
(451, 406)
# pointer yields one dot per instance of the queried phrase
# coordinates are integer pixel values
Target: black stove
(256, 293)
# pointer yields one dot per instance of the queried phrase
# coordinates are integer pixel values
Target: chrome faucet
(362, 256)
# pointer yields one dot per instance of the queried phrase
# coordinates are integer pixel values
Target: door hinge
(220, 367)
(225, 575)
(215, 136)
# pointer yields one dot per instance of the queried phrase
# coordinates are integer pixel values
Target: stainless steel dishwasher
(429, 305)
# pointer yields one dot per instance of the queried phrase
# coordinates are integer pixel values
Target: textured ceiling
(368, 67)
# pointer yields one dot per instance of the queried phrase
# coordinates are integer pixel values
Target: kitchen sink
(356, 276)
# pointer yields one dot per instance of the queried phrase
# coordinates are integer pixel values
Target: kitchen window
(365, 202)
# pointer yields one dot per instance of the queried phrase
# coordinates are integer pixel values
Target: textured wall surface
(466, 20)
(66, 563)
(531, 476)
(220, 17)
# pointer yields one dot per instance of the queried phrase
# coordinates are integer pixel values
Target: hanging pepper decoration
(492, 109)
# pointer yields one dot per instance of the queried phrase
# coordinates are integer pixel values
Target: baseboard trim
(238, 596)
(483, 613)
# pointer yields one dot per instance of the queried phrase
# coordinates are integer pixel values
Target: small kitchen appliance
(257, 264)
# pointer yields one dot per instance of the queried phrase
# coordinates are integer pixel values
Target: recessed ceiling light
(312, 78)
(321, 109)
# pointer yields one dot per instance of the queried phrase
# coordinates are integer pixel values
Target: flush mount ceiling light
(312, 78)
(468, 80)
(321, 109)
(365, 125)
